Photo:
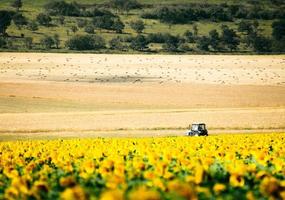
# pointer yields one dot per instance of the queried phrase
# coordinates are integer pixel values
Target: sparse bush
(81, 23)
(74, 29)
(29, 42)
(203, 43)
(3, 42)
(86, 42)
(5, 20)
(137, 26)
(262, 44)
(44, 19)
(89, 29)
(156, 37)
(47, 42)
(279, 45)
(118, 26)
(189, 36)
(171, 43)
(184, 47)
(19, 20)
(56, 40)
(229, 38)
(127, 38)
(108, 23)
(33, 26)
(96, 12)
(17, 4)
(63, 8)
(61, 20)
(125, 5)
(214, 39)
(116, 44)
(278, 29)
(139, 43)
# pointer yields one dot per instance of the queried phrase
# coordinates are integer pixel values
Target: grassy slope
(31, 8)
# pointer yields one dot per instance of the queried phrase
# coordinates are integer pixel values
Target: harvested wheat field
(68, 95)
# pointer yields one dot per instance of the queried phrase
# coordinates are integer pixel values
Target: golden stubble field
(51, 95)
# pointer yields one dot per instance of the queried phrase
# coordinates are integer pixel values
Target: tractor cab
(197, 129)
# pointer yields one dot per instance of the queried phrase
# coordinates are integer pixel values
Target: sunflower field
(216, 167)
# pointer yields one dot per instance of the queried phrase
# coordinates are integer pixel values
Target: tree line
(224, 40)
(216, 13)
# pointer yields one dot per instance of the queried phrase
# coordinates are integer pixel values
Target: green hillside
(248, 26)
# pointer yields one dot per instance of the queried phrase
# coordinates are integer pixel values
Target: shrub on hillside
(47, 42)
(81, 23)
(5, 20)
(278, 29)
(86, 42)
(44, 19)
(62, 8)
(156, 37)
(3, 42)
(89, 29)
(125, 5)
(171, 43)
(28, 42)
(109, 23)
(139, 43)
(96, 12)
(19, 20)
(32, 26)
(137, 26)
(116, 44)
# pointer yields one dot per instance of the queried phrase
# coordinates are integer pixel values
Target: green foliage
(278, 29)
(137, 26)
(203, 43)
(184, 47)
(189, 36)
(214, 39)
(29, 42)
(56, 40)
(118, 26)
(44, 19)
(61, 19)
(279, 45)
(33, 26)
(17, 4)
(89, 29)
(86, 42)
(109, 23)
(74, 29)
(19, 20)
(170, 17)
(3, 42)
(156, 37)
(62, 8)
(81, 23)
(125, 5)
(5, 20)
(116, 44)
(139, 43)
(262, 44)
(229, 38)
(97, 12)
(47, 42)
(171, 43)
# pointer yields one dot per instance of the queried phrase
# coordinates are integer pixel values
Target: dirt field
(51, 95)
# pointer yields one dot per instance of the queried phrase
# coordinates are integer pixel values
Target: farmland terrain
(143, 26)
(67, 95)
